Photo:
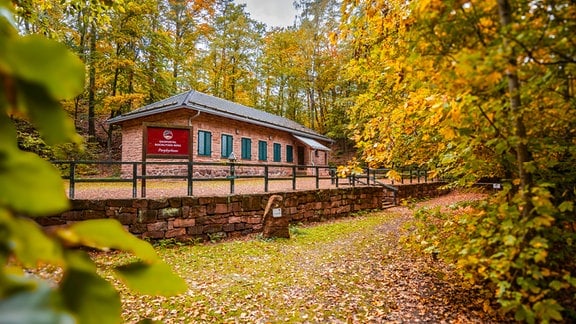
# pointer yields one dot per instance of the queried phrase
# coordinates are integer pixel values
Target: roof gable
(217, 106)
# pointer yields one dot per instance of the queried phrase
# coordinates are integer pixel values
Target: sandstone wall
(421, 190)
(184, 218)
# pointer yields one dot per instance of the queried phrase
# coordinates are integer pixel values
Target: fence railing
(139, 172)
(402, 175)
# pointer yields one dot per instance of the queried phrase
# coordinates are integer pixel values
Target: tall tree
(283, 73)
(187, 21)
(77, 23)
(231, 53)
(391, 94)
(318, 21)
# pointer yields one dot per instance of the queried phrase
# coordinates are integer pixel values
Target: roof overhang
(311, 143)
(200, 108)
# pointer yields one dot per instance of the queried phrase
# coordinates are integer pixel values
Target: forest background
(471, 89)
(139, 52)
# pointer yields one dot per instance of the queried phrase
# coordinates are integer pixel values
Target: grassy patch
(323, 273)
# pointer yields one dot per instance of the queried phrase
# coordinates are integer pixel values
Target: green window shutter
(204, 143)
(226, 144)
(246, 149)
(262, 150)
(289, 153)
(277, 152)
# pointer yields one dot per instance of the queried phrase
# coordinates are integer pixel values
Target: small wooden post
(275, 222)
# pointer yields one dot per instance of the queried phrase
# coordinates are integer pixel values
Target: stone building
(215, 130)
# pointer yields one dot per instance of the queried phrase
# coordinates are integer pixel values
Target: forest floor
(351, 270)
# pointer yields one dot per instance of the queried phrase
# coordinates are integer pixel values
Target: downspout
(312, 160)
(193, 117)
(190, 125)
(313, 156)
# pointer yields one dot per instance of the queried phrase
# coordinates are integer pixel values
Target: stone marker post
(275, 222)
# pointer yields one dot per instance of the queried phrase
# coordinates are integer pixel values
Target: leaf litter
(351, 270)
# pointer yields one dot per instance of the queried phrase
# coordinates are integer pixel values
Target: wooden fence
(91, 172)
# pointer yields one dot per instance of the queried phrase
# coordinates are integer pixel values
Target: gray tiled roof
(212, 105)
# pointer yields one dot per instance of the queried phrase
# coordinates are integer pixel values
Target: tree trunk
(92, 86)
(523, 154)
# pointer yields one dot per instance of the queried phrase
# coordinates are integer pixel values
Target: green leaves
(566, 206)
(150, 276)
(151, 279)
(54, 124)
(548, 309)
(27, 57)
(34, 307)
(36, 86)
(28, 242)
(35, 74)
(491, 243)
(91, 298)
(107, 234)
(25, 175)
(30, 185)
(476, 126)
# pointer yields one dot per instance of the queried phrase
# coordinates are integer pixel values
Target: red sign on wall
(169, 141)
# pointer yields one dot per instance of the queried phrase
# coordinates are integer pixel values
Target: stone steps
(388, 202)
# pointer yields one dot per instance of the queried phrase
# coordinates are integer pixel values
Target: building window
(246, 149)
(262, 151)
(289, 153)
(226, 146)
(204, 143)
(277, 152)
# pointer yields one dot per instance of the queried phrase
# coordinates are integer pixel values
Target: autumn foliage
(480, 90)
(473, 90)
(32, 88)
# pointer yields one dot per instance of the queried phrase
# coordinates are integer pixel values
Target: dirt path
(378, 281)
(425, 290)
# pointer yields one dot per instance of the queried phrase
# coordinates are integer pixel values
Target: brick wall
(132, 140)
(225, 216)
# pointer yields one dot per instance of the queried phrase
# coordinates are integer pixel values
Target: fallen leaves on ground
(352, 270)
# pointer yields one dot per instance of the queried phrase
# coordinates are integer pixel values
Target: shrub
(527, 263)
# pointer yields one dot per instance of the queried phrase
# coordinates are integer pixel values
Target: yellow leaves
(448, 133)
(351, 168)
(433, 173)
(455, 113)
(493, 78)
(130, 101)
(566, 206)
(541, 256)
(486, 22)
(436, 117)
(545, 272)
(422, 6)
(394, 175)
(543, 221)
(428, 8)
